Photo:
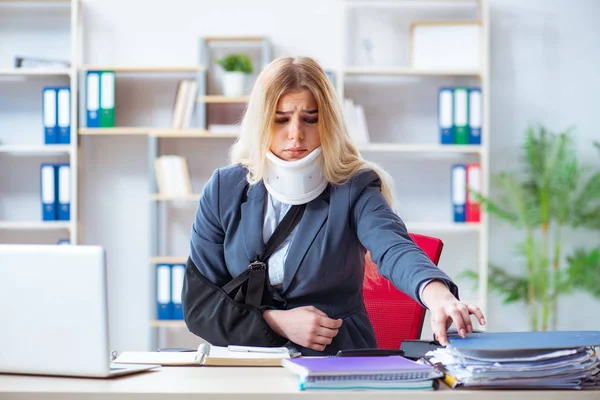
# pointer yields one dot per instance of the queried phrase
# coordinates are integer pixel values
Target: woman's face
(295, 132)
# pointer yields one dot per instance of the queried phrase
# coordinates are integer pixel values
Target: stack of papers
(558, 359)
(346, 373)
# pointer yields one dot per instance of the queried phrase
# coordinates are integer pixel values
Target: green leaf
(236, 63)
(583, 270)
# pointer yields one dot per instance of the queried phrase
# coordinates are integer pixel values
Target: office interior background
(539, 66)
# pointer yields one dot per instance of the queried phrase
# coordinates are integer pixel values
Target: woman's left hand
(446, 309)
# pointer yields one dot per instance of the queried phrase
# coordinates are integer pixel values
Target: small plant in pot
(236, 69)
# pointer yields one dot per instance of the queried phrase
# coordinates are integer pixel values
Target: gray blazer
(325, 265)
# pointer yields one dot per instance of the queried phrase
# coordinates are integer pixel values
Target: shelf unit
(200, 122)
(72, 10)
(373, 151)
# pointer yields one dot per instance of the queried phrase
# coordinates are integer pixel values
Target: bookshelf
(160, 204)
(356, 79)
(22, 143)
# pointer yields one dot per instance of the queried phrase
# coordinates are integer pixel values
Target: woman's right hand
(306, 326)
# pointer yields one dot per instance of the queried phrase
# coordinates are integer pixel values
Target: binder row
(55, 190)
(56, 114)
(100, 99)
(460, 115)
(169, 283)
(465, 179)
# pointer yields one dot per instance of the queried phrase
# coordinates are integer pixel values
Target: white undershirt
(274, 213)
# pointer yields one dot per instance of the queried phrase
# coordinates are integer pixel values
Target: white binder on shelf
(48, 192)
(163, 292)
(49, 111)
(459, 192)
(64, 192)
(475, 115)
(64, 115)
(177, 273)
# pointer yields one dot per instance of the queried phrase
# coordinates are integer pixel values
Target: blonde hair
(341, 159)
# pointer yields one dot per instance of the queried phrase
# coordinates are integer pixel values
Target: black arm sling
(232, 314)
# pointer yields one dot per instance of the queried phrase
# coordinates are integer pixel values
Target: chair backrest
(394, 315)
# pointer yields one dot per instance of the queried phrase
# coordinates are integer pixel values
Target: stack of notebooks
(346, 373)
(510, 360)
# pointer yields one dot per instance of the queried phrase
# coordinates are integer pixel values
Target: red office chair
(394, 315)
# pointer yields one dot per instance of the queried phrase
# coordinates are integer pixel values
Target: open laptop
(53, 312)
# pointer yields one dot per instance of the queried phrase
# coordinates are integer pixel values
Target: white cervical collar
(295, 182)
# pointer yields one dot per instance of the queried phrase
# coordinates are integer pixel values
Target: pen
(449, 380)
(251, 349)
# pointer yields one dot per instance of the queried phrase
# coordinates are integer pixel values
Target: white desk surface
(196, 383)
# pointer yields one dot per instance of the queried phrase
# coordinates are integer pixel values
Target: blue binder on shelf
(475, 115)
(459, 192)
(64, 115)
(163, 292)
(48, 192)
(50, 114)
(446, 115)
(92, 103)
(177, 273)
(63, 175)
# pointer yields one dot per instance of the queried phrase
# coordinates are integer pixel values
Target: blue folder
(516, 341)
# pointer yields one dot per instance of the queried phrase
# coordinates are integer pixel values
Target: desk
(198, 383)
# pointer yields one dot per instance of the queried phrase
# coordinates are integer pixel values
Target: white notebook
(208, 355)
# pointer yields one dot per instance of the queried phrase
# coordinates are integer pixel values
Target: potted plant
(553, 193)
(236, 69)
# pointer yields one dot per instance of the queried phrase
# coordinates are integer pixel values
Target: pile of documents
(558, 359)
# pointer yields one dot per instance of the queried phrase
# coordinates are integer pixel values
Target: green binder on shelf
(461, 115)
(107, 99)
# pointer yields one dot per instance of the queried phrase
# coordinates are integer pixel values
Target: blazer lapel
(252, 220)
(313, 219)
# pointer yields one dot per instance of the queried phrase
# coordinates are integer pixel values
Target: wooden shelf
(234, 38)
(143, 69)
(442, 227)
(168, 260)
(115, 131)
(34, 225)
(162, 197)
(190, 133)
(175, 323)
(408, 72)
(61, 2)
(411, 3)
(419, 148)
(25, 72)
(222, 99)
(36, 150)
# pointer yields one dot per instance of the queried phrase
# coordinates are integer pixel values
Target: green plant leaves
(236, 63)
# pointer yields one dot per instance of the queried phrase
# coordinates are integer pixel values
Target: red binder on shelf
(473, 208)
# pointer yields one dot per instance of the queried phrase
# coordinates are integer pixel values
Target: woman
(294, 149)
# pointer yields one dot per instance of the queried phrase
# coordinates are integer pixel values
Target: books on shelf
(460, 115)
(224, 129)
(169, 284)
(35, 62)
(356, 122)
(56, 114)
(100, 99)
(465, 180)
(173, 176)
(185, 101)
(55, 188)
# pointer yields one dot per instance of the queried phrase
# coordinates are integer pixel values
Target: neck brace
(295, 182)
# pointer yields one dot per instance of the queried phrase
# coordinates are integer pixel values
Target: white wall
(544, 61)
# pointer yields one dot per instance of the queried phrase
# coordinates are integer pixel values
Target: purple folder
(398, 366)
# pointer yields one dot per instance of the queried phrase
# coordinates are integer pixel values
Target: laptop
(54, 312)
